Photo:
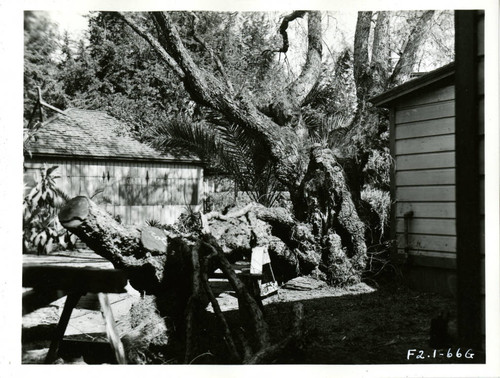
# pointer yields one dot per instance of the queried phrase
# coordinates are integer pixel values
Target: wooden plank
(433, 261)
(482, 235)
(481, 154)
(128, 215)
(30, 164)
(426, 193)
(431, 254)
(425, 144)
(426, 128)
(480, 76)
(424, 112)
(92, 280)
(481, 196)
(436, 243)
(483, 275)
(426, 177)
(134, 216)
(428, 226)
(444, 210)
(468, 214)
(481, 115)
(427, 97)
(35, 299)
(75, 186)
(480, 35)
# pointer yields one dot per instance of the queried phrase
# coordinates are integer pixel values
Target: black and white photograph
(308, 186)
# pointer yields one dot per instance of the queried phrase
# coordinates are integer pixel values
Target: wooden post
(467, 180)
(69, 305)
(111, 331)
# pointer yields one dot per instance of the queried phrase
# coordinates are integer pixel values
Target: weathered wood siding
(135, 191)
(424, 179)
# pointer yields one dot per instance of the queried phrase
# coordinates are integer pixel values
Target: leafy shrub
(380, 203)
(42, 231)
(154, 223)
(377, 168)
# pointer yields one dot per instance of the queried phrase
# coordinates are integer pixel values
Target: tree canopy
(256, 94)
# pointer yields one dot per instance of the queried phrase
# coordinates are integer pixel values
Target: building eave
(441, 74)
(165, 160)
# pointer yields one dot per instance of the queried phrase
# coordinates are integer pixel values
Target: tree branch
(407, 59)
(360, 56)
(213, 55)
(380, 54)
(153, 42)
(301, 87)
(206, 89)
(283, 29)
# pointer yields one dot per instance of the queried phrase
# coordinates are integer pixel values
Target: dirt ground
(354, 325)
(363, 325)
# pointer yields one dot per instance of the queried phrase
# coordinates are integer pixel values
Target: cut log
(181, 285)
(142, 254)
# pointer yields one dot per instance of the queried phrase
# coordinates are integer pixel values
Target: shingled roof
(94, 135)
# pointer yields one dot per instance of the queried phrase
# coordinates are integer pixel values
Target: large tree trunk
(282, 141)
(177, 274)
(324, 201)
(408, 58)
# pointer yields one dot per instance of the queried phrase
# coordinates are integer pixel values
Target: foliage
(226, 148)
(40, 46)
(116, 70)
(154, 223)
(380, 202)
(41, 228)
(377, 168)
(335, 92)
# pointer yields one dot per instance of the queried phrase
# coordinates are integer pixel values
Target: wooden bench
(74, 275)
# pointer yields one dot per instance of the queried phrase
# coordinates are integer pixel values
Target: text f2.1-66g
(419, 354)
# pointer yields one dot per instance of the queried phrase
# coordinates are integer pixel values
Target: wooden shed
(97, 158)
(422, 119)
(437, 142)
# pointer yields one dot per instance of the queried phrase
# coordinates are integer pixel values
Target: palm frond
(223, 145)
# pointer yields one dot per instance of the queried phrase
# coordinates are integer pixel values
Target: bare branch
(284, 26)
(213, 55)
(207, 89)
(409, 56)
(153, 42)
(301, 87)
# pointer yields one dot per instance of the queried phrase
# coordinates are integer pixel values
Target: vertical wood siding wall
(135, 191)
(424, 150)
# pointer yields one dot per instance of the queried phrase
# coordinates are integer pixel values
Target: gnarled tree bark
(178, 277)
(278, 137)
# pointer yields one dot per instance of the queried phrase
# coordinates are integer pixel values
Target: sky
(71, 21)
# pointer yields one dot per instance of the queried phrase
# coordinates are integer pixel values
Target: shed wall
(424, 182)
(135, 191)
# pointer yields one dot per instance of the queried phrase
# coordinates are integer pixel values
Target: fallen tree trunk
(176, 272)
(128, 248)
